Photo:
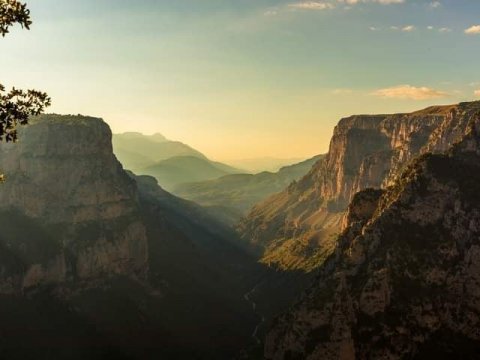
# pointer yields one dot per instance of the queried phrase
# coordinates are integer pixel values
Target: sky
(241, 79)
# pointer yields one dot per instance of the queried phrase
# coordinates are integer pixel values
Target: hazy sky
(245, 78)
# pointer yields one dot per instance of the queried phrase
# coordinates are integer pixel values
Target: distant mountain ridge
(170, 162)
(130, 146)
(180, 169)
(239, 192)
(157, 137)
(261, 164)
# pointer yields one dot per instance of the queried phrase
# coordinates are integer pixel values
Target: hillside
(239, 192)
(180, 169)
(170, 162)
(297, 228)
(136, 151)
(97, 263)
(403, 280)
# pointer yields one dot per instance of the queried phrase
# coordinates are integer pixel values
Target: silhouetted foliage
(16, 106)
(11, 12)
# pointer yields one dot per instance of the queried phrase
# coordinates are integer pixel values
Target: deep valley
(99, 262)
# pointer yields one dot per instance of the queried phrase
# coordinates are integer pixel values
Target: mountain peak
(158, 137)
(138, 135)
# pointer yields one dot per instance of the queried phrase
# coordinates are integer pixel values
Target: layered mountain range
(98, 263)
(171, 162)
(137, 151)
(403, 279)
(297, 228)
(235, 194)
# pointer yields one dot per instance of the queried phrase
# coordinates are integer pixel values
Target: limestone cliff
(63, 181)
(96, 263)
(296, 229)
(404, 279)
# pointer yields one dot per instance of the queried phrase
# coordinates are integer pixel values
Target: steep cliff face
(96, 263)
(404, 280)
(63, 181)
(296, 228)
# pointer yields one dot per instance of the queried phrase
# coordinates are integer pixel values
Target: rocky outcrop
(403, 280)
(362, 206)
(64, 182)
(96, 263)
(365, 152)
